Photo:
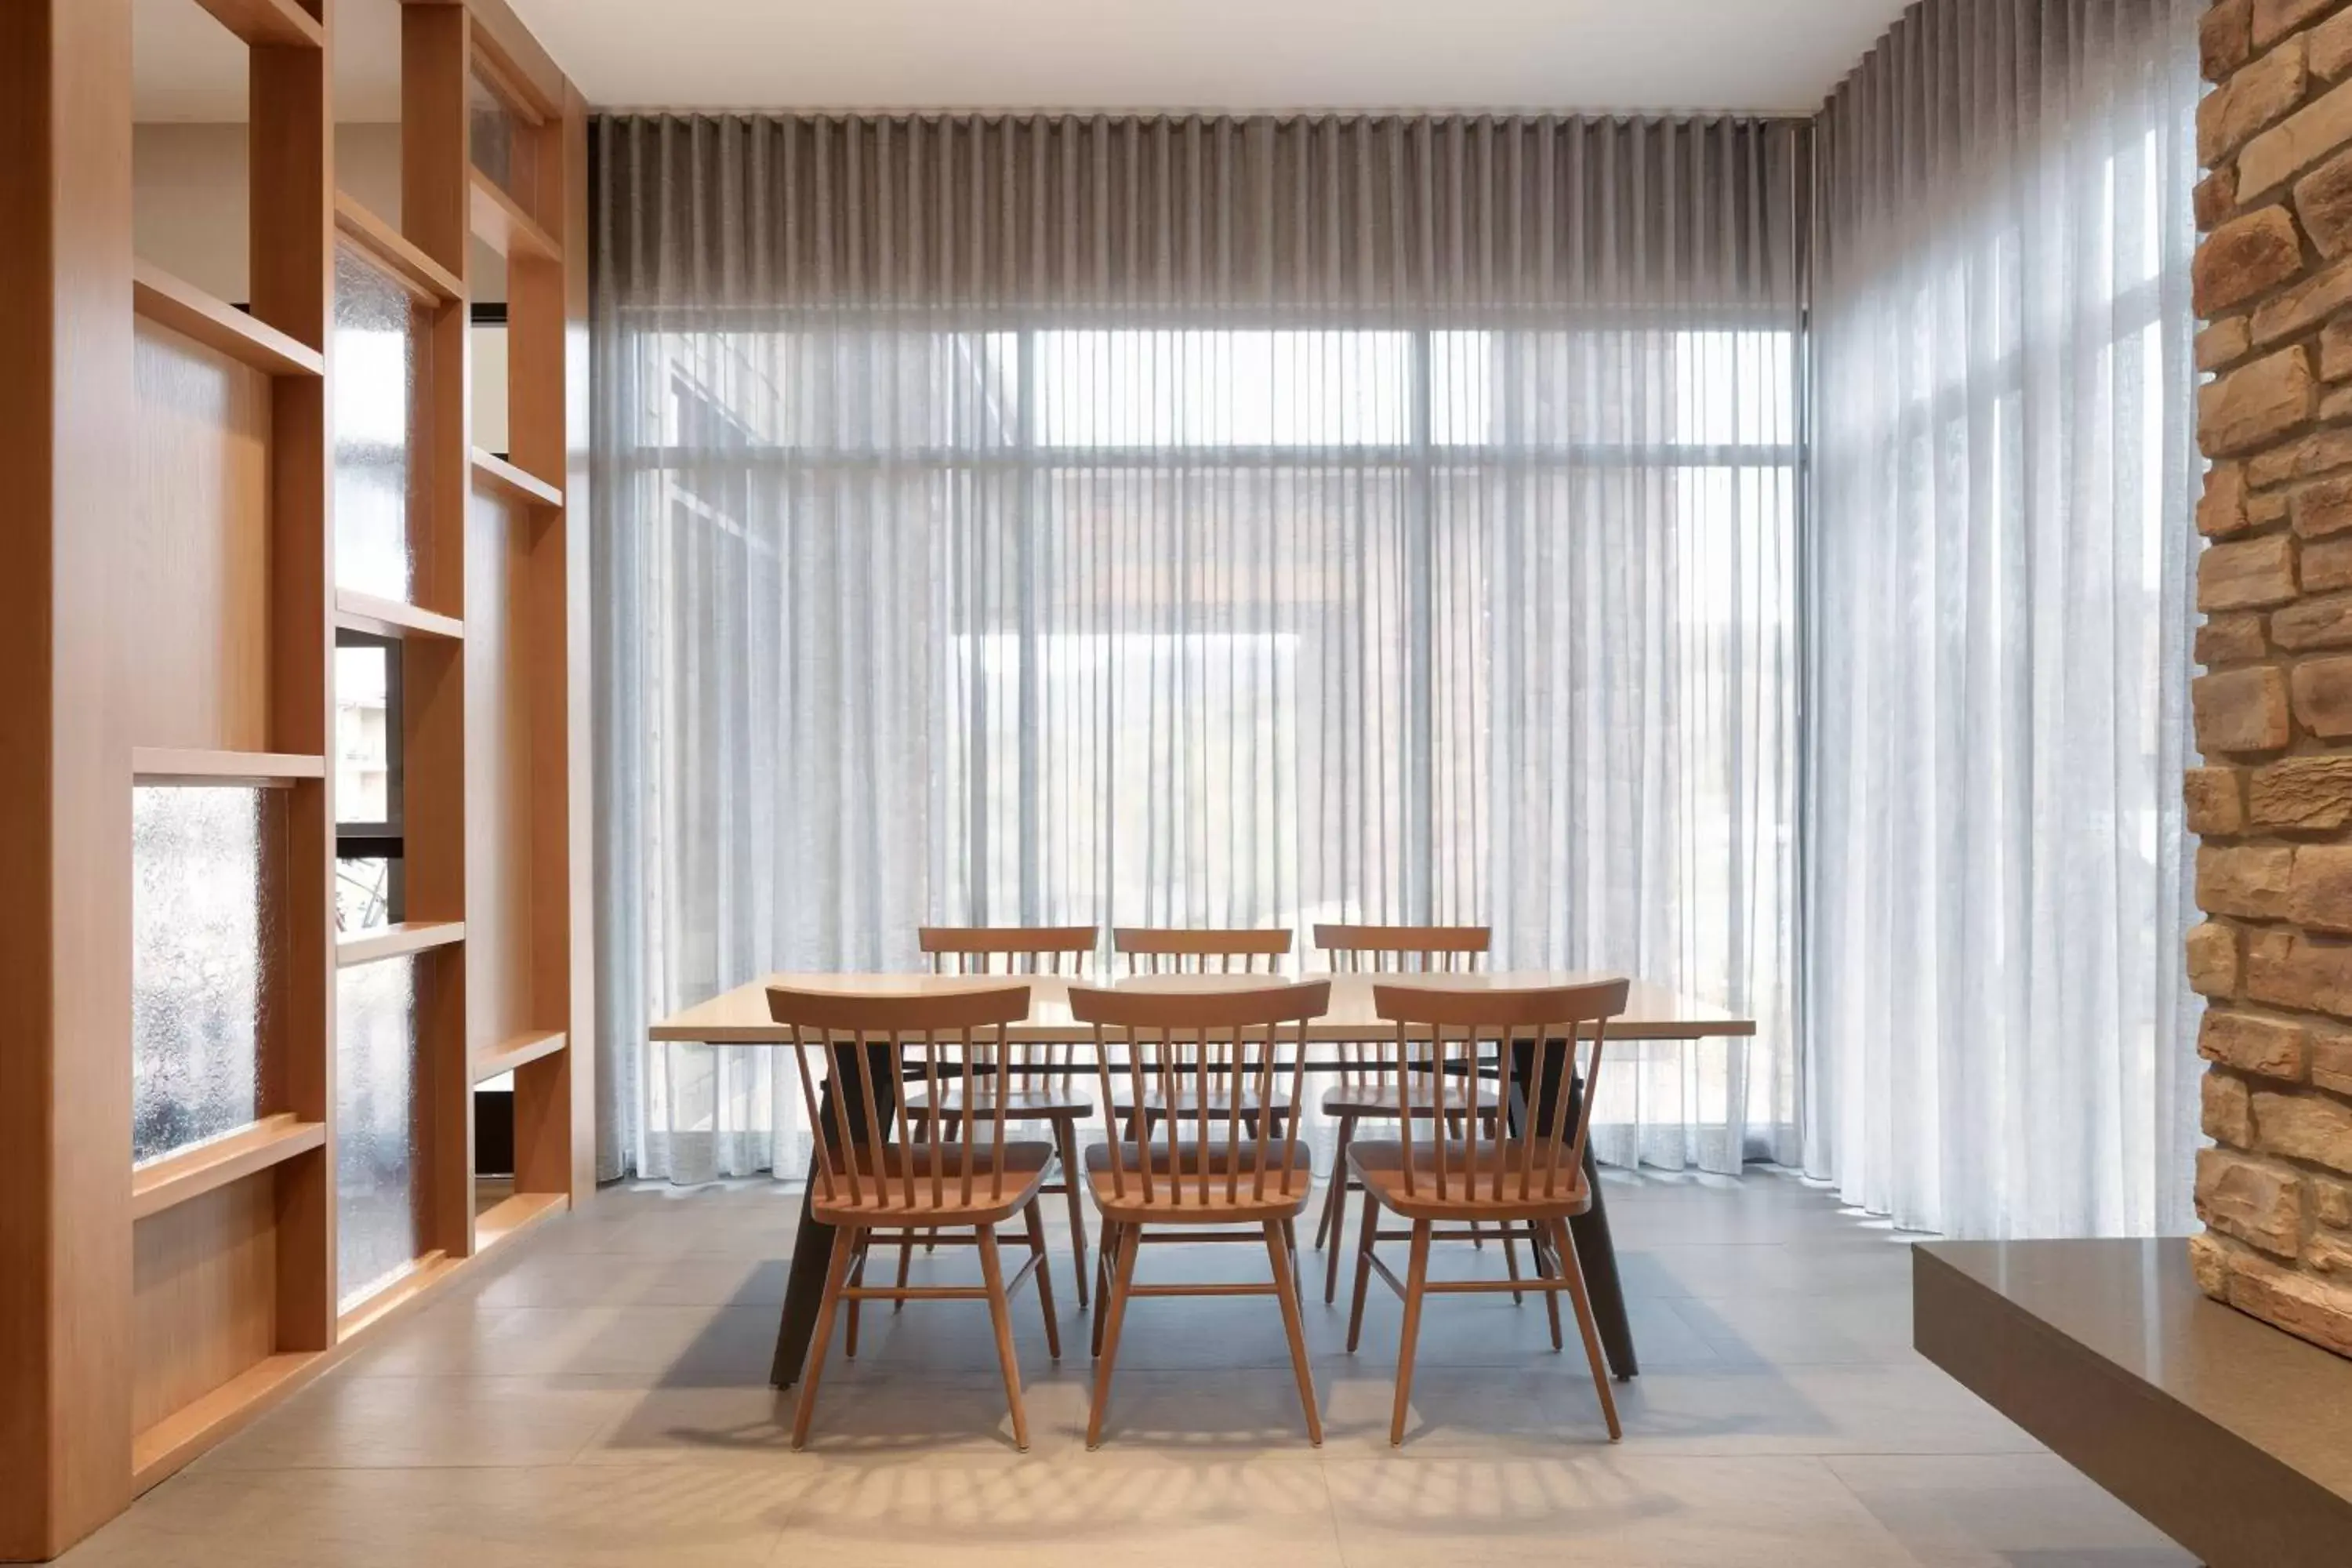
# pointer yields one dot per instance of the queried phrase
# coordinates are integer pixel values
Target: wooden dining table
(1653, 1012)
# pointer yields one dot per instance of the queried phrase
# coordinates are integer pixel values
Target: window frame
(359, 838)
(1420, 463)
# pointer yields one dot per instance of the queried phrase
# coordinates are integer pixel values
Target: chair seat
(921, 1185)
(1467, 1190)
(1377, 1100)
(1152, 1195)
(1020, 1105)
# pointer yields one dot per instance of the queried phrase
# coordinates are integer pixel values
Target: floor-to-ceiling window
(1115, 550)
(1996, 1025)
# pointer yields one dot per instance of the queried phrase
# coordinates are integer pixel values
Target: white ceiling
(1235, 54)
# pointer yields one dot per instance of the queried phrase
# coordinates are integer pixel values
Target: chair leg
(1338, 1209)
(845, 1242)
(918, 1128)
(1547, 1267)
(1044, 1280)
(1286, 1289)
(1572, 1271)
(1510, 1243)
(1335, 1210)
(1327, 1228)
(1416, 1280)
(1106, 1263)
(856, 1279)
(1115, 1317)
(1364, 1245)
(1066, 1141)
(991, 1272)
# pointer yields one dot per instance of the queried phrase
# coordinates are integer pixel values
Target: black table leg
(1598, 1254)
(1589, 1230)
(812, 1247)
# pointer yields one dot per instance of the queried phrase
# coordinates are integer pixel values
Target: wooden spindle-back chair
(1531, 1181)
(1045, 1082)
(1180, 1176)
(873, 1176)
(1434, 950)
(1210, 951)
(1167, 950)
(1359, 1095)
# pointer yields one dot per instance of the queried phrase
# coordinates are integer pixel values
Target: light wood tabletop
(739, 1017)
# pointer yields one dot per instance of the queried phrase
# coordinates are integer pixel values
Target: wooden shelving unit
(187, 310)
(178, 451)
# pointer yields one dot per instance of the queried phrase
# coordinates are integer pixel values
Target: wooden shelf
(187, 310)
(512, 1216)
(267, 23)
(176, 1178)
(515, 484)
(381, 943)
(170, 765)
(190, 1430)
(393, 618)
(508, 1055)
(422, 1274)
(501, 222)
(180, 1437)
(396, 253)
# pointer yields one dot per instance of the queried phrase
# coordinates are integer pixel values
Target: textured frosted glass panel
(499, 149)
(378, 1158)
(380, 353)
(201, 935)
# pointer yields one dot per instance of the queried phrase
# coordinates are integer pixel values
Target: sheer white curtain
(1998, 1032)
(1045, 520)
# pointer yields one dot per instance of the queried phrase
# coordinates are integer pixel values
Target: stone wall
(2272, 803)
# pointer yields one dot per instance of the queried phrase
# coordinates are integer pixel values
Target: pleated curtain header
(1345, 214)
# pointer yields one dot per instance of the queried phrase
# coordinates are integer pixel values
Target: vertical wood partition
(65, 853)
(172, 611)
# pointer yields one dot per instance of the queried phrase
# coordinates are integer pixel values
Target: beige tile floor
(601, 1398)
